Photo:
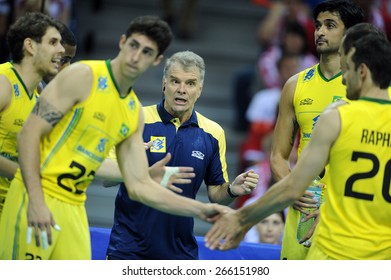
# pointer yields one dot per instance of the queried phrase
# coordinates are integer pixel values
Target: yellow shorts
(291, 249)
(71, 243)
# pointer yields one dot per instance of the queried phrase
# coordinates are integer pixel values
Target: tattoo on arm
(47, 111)
(294, 132)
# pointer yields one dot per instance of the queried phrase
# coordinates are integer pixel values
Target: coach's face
(181, 87)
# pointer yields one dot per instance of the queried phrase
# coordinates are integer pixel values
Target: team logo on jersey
(308, 135)
(16, 90)
(158, 144)
(308, 76)
(99, 116)
(124, 130)
(307, 101)
(336, 98)
(197, 154)
(132, 104)
(315, 121)
(89, 154)
(102, 145)
(102, 83)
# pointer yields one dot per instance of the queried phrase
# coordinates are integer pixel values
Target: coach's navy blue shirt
(141, 232)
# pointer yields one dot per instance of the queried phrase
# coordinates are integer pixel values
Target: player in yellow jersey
(36, 51)
(354, 139)
(88, 108)
(304, 96)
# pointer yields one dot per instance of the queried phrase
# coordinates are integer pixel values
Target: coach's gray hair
(187, 59)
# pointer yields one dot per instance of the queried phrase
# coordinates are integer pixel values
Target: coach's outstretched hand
(226, 233)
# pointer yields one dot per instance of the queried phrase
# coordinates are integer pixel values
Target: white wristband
(169, 170)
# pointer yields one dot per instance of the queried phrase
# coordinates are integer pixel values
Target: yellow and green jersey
(78, 144)
(12, 119)
(355, 221)
(312, 95)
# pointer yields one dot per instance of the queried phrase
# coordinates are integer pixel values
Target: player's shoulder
(304, 75)
(335, 105)
(6, 70)
(5, 78)
(308, 74)
(78, 68)
(87, 67)
(288, 91)
(5, 66)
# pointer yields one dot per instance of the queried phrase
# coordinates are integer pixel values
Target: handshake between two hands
(226, 232)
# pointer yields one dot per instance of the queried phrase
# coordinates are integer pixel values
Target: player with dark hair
(69, 43)
(36, 51)
(354, 140)
(304, 96)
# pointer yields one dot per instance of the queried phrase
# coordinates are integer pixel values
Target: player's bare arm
(167, 176)
(232, 227)
(7, 167)
(285, 131)
(71, 86)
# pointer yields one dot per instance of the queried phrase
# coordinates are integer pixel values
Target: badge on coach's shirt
(159, 144)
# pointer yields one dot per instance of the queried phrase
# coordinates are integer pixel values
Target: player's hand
(40, 221)
(148, 145)
(306, 201)
(167, 176)
(245, 183)
(212, 211)
(310, 232)
(226, 233)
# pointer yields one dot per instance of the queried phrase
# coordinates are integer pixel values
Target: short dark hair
(31, 25)
(353, 33)
(154, 28)
(67, 36)
(374, 51)
(350, 13)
